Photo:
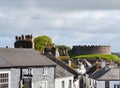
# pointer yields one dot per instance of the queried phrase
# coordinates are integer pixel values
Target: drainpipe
(20, 82)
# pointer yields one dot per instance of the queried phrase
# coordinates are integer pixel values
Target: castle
(91, 49)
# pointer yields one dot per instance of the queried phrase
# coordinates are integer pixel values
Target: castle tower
(93, 49)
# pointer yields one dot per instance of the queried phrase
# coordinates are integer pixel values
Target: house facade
(104, 78)
(64, 75)
(64, 82)
(25, 68)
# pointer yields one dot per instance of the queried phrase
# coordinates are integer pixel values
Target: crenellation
(91, 49)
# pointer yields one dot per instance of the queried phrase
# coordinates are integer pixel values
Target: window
(90, 82)
(63, 84)
(106, 84)
(116, 86)
(30, 71)
(4, 79)
(95, 84)
(70, 84)
(45, 71)
(27, 82)
(44, 84)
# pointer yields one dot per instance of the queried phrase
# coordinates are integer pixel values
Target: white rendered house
(104, 78)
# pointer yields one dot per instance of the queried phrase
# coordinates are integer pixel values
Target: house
(65, 76)
(104, 78)
(25, 68)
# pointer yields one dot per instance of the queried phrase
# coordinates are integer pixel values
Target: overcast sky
(67, 22)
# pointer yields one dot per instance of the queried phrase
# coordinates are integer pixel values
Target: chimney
(22, 37)
(16, 38)
(26, 37)
(19, 38)
(30, 37)
(24, 41)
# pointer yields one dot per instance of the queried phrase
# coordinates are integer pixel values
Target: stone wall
(37, 77)
(82, 50)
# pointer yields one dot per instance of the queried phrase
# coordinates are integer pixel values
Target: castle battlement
(91, 49)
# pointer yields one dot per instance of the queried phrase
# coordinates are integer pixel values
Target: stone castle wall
(93, 49)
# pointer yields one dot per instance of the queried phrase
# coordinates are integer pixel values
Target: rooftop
(14, 57)
(107, 74)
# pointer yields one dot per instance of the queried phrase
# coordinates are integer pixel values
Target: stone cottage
(25, 68)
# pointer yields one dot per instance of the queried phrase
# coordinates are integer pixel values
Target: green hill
(95, 56)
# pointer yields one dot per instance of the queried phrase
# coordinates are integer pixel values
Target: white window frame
(4, 72)
(44, 70)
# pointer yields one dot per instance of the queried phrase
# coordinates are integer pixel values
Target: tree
(42, 42)
(63, 49)
(63, 46)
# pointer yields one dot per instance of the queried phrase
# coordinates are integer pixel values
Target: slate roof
(112, 74)
(61, 72)
(16, 57)
(61, 66)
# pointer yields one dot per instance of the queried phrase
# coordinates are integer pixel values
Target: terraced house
(25, 68)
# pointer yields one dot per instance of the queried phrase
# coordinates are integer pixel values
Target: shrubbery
(95, 56)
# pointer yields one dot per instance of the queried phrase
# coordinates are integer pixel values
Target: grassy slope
(103, 56)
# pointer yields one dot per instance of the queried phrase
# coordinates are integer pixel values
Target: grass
(108, 57)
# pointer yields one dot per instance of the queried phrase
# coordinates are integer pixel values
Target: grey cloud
(61, 5)
(78, 4)
(61, 20)
(26, 20)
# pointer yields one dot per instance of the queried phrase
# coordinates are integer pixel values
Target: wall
(81, 50)
(14, 78)
(112, 83)
(58, 82)
(37, 77)
(101, 84)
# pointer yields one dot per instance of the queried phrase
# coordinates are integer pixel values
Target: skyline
(67, 22)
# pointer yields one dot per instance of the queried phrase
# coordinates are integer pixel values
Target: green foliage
(108, 57)
(42, 42)
(63, 50)
(63, 46)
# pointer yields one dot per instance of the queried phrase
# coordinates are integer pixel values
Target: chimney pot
(19, 38)
(16, 37)
(22, 37)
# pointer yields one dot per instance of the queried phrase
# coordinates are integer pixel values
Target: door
(27, 83)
